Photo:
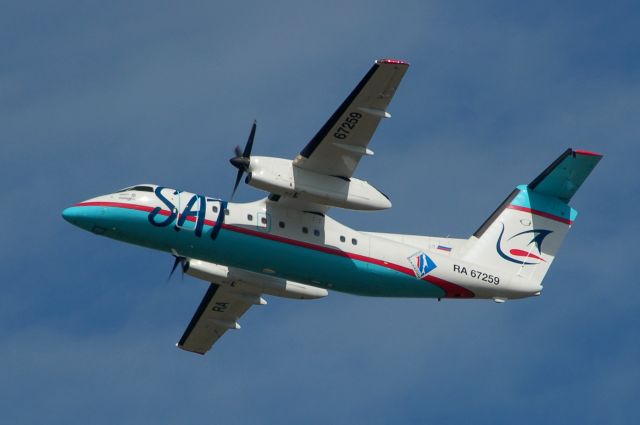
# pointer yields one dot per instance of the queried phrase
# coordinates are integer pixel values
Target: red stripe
(522, 253)
(541, 214)
(116, 205)
(451, 289)
(582, 152)
(393, 61)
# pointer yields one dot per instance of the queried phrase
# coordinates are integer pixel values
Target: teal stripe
(547, 204)
(255, 253)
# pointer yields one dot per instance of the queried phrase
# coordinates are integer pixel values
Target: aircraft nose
(78, 216)
(71, 214)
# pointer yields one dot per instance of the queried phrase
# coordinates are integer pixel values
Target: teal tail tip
(566, 174)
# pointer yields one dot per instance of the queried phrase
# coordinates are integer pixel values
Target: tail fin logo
(523, 256)
(421, 264)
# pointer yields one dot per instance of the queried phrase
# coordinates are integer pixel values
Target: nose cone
(78, 216)
(71, 214)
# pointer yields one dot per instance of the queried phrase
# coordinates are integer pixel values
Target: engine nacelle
(280, 176)
(253, 281)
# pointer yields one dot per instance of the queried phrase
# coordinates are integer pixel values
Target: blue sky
(96, 96)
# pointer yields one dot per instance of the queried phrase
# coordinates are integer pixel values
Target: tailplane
(524, 233)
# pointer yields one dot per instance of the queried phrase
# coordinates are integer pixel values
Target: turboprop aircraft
(286, 245)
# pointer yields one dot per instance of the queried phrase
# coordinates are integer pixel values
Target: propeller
(242, 160)
(179, 259)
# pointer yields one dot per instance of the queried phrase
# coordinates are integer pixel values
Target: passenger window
(281, 224)
(249, 217)
(214, 209)
(305, 230)
(226, 211)
(263, 220)
(316, 232)
(342, 238)
(354, 241)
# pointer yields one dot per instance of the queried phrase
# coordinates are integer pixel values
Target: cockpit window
(136, 188)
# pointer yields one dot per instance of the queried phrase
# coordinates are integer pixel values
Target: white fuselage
(307, 247)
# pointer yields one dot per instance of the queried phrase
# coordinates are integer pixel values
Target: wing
(218, 312)
(337, 148)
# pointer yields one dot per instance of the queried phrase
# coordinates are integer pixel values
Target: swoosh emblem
(538, 238)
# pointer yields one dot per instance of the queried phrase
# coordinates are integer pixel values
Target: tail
(523, 235)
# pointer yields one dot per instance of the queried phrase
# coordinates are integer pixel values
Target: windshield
(136, 188)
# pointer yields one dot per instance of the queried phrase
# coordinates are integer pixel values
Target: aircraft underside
(286, 245)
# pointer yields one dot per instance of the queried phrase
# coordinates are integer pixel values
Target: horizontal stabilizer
(566, 174)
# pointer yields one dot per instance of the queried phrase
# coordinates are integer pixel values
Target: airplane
(286, 245)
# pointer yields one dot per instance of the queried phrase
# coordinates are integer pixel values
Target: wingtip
(393, 61)
(584, 152)
(182, 347)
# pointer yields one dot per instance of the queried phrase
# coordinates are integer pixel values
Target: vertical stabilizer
(523, 235)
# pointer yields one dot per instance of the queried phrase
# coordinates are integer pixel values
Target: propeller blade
(242, 160)
(249, 145)
(235, 186)
(177, 261)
